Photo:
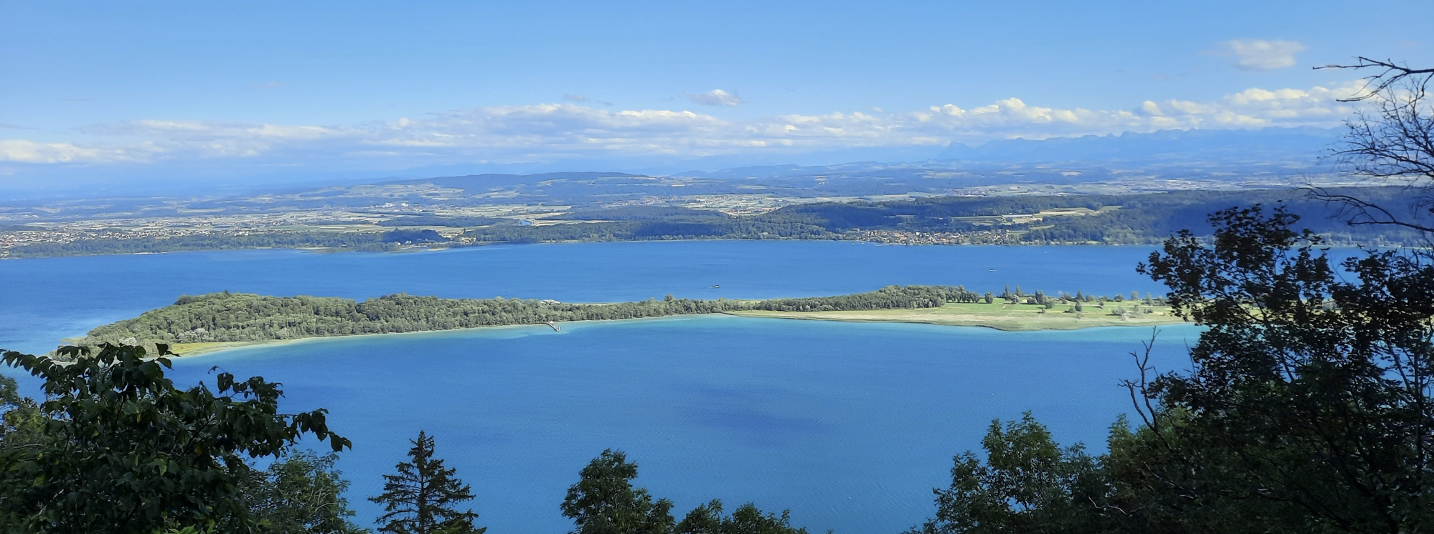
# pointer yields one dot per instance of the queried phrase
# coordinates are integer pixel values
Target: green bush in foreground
(300, 494)
(117, 448)
(1309, 405)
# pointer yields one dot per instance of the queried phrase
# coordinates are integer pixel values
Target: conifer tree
(420, 499)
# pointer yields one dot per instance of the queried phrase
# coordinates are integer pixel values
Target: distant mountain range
(1225, 146)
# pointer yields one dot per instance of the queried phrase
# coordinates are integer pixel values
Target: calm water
(44, 300)
(848, 425)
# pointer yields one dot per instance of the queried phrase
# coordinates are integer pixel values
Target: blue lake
(44, 300)
(848, 425)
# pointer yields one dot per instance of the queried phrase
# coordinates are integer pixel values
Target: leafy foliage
(1028, 483)
(603, 501)
(1310, 394)
(420, 499)
(21, 423)
(300, 494)
(122, 450)
(1307, 407)
(746, 519)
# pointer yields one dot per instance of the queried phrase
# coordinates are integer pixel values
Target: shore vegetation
(216, 321)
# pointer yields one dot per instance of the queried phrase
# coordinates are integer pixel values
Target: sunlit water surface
(848, 425)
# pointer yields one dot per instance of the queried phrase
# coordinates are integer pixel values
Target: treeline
(228, 317)
(891, 297)
(715, 226)
(358, 241)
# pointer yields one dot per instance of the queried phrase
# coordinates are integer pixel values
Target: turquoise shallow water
(849, 425)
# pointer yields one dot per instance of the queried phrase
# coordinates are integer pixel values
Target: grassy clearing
(1013, 317)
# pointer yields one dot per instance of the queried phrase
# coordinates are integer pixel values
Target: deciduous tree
(603, 501)
(746, 519)
(1028, 483)
(122, 450)
(1310, 392)
(300, 494)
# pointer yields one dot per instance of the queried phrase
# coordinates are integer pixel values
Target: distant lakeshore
(203, 324)
(1039, 217)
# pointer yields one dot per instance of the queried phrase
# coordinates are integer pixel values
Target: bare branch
(1388, 142)
(1390, 73)
(1361, 212)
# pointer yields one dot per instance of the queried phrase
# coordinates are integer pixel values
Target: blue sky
(126, 89)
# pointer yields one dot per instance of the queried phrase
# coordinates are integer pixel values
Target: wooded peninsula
(203, 323)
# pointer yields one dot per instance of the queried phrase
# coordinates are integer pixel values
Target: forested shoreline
(241, 317)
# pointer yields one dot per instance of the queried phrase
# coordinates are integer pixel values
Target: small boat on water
(555, 326)
(715, 286)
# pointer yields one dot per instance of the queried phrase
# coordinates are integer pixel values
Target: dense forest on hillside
(226, 317)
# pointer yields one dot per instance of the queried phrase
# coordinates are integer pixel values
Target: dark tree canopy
(746, 519)
(1308, 407)
(1028, 483)
(1310, 393)
(422, 497)
(300, 494)
(20, 421)
(122, 450)
(604, 501)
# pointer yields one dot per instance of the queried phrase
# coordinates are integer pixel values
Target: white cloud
(575, 98)
(715, 97)
(1255, 54)
(23, 151)
(552, 131)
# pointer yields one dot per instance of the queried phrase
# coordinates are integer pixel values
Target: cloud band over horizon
(571, 129)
